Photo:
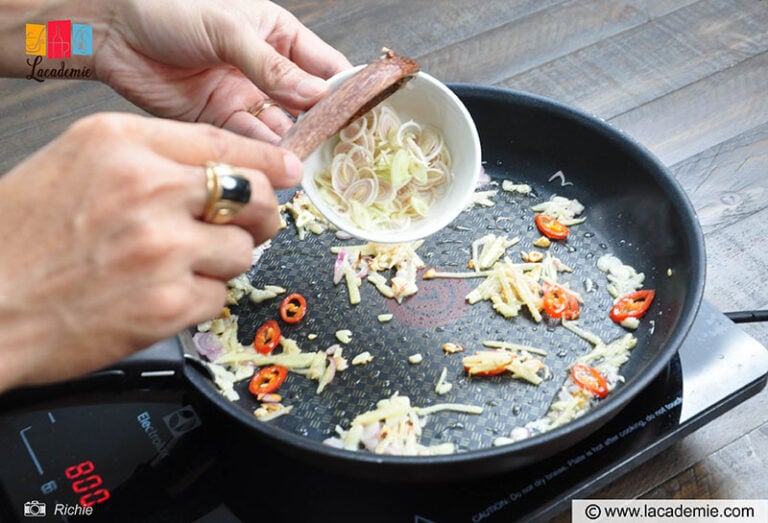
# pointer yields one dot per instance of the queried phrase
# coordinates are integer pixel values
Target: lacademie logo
(58, 39)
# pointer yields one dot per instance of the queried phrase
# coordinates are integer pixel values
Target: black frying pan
(635, 210)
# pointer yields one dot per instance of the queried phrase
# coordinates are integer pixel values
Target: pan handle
(747, 316)
(161, 361)
(159, 366)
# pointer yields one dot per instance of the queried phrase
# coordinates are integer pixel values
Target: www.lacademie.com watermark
(57, 39)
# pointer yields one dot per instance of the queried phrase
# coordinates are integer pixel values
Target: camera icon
(34, 509)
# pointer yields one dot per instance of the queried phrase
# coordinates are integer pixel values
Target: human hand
(105, 251)
(212, 60)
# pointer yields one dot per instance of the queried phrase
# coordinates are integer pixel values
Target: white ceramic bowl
(428, 102)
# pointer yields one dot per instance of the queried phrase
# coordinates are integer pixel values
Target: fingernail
(294, 169)
(311, 88)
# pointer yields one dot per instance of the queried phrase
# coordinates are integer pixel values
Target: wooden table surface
(687, 78)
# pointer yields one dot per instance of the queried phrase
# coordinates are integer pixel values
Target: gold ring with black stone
(228, 192)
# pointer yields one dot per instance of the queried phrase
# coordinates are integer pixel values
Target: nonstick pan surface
(634, 210)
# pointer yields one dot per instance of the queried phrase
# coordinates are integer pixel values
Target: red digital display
(87, 484)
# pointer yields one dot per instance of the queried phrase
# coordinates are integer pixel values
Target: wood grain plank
(18, 96)
(323, 11)
(412, 28)
(728, 187)
(636, 66)
(737, 265)
(45, 110)
(745, 418)
(703, 114)
(726, 474)
(542, 36)
(729, 181)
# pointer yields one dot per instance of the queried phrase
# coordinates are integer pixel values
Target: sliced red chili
(267, 337)
(487, 373)
(633, 305)
(559, 303)
(267, 380)
(551, 227)
(483, 359)
(293, 308)
(590, 379)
